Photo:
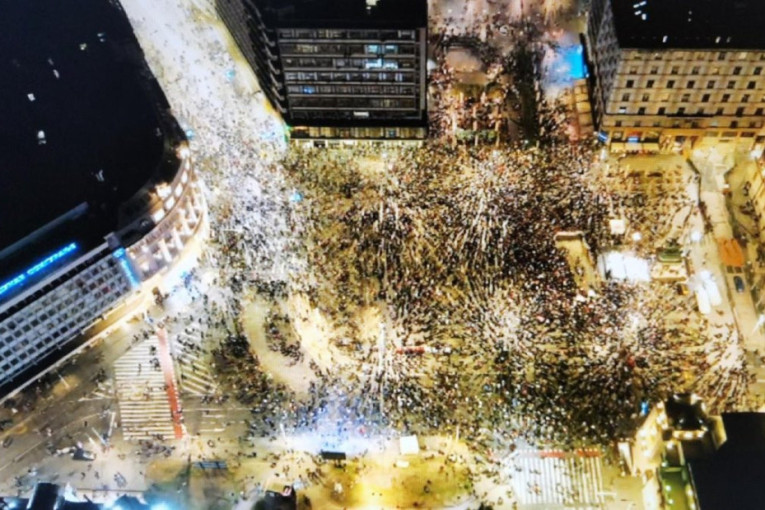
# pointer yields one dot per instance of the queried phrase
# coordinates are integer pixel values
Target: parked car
(7, 441)
(738, 282)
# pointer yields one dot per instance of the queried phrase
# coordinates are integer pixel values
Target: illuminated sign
(119, 254)
(22, 277)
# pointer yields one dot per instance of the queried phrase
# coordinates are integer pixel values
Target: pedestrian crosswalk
(557, 479)
(195, 376)
(197, 382)
(141, 394)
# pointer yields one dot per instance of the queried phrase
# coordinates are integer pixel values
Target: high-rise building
(97, 190)
(676, 74)
(338, 69)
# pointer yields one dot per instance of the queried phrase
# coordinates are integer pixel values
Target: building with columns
(99, 192)
(672, 75)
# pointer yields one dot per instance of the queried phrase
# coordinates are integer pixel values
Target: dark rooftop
(690, 24)
(345, 13)
(77, 119)
(731, 477)
(82, 121)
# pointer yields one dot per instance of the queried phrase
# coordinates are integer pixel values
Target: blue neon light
(22, 277)
(120, 255)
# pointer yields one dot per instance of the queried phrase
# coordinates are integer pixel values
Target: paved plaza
(348, 297)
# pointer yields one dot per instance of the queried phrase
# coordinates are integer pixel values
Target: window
(757, 71)
(641, 110)
(739, 111)
(700, 111)
(622, 109)
(681, 111)
(645, 98)
(686, 98)
(737, 70)
(721, 55)
(715, 70)
(618, 123)
(662, 110)
(372, 48)
(625, 97)
(705, 98)
(696, 70)
(671, 84)
(691, 84)
(751, 85)
(711, 84)
(719, 111)
(675, 70)
(731, 85)
(630, 84)
(633, 70)
(654, 70)
(759, 112)
(306, 48)
(725, 98)
(650, 84)
(745, 98)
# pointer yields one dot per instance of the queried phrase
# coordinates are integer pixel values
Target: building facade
(670, 76)
(76, 289)
(97, 179)
(338, 69)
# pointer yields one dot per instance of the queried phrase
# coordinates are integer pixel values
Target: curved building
(97, 190)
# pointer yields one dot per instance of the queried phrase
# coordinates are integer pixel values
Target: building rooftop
(730, 477)
(83, 122)
(689, 24)
(345, 13)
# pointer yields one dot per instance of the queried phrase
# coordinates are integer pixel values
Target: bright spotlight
(160, 506)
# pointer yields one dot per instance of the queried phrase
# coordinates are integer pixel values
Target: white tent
(409, 445)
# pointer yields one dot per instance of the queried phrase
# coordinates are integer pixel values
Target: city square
(479, 319)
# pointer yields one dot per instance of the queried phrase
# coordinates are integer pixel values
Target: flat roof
(83, 126)
(345, 13)
(78, 124)
(731, 477)
(689, 24)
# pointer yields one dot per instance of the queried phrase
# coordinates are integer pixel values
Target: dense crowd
(459, 248)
